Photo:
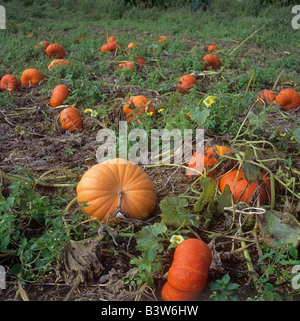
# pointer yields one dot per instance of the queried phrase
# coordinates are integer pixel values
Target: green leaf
(149, 234)
(251, 171)
(224, 200)
(297, 134)
(199, 115)
(208, 192)
(257, 120)
(174, 212)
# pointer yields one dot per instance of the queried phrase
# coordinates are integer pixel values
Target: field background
(41, 163)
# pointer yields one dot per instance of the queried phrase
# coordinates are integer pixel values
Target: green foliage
(223, 289)
(32, 228)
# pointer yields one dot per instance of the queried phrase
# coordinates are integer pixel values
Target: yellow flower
(160, 110)
(283, 134)
(208, 101)
(88, 110)
(188, 114)
(176, 239)
(150, 113)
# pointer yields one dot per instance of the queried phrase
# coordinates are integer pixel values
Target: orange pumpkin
(210, 159)
(112, 38)
(186, 83)
(267, 96)
(58, 62)
(103, 184)
(110, 46)
(42, 45)
(288, 99)
(188, 273)
(161, 39)
(31, 77)
(59, 95)
(71, 119)
(210, 48)
(140, 61)
(212, 61)
(137, 105)
(127, 64)
(55, 51)
(9, 82)
(243, 190)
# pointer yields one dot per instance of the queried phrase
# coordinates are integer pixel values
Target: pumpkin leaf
(257, 120)
(208, 187)
(224, 200)
(251, 171)
(174, 212)
(280, 227)
(199, 115)
(148, 235)
(297, 134)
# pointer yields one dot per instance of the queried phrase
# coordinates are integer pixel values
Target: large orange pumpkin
(137, 105)
(110, 46)
(9, 82)
(59, 95)
(288, 99)
(71, 119)
(267, 96)
(102, 185)
(210, 159)
(186, 83)
(243, 190)
(187, 275)
(31, 77)
(212, 61)
(55, 51)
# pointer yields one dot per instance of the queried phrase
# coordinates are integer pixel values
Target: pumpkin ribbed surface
(288, 99)
(243, 190)
(101, 184)
(9, 82)
(188, 274)
(59, 95)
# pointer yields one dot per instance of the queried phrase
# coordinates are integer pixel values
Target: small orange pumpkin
(55, 51)
(112, 38)
(188, 273)
(267, 96)
(58, 62)
(137, 105)
(110, 46)
(161, 39)
(42, 45)
(59, 95)
(210, 159)
(31, 77)
(212, 61)
(210, 48)
(9, 82)
(288, 99)
(140, 61)
(243, 190)
(103, 184)
(127, 64)
(186, 83)
(71, 119)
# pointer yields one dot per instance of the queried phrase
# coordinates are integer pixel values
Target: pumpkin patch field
(220, 225)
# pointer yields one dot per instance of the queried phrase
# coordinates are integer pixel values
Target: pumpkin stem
(120, 193)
